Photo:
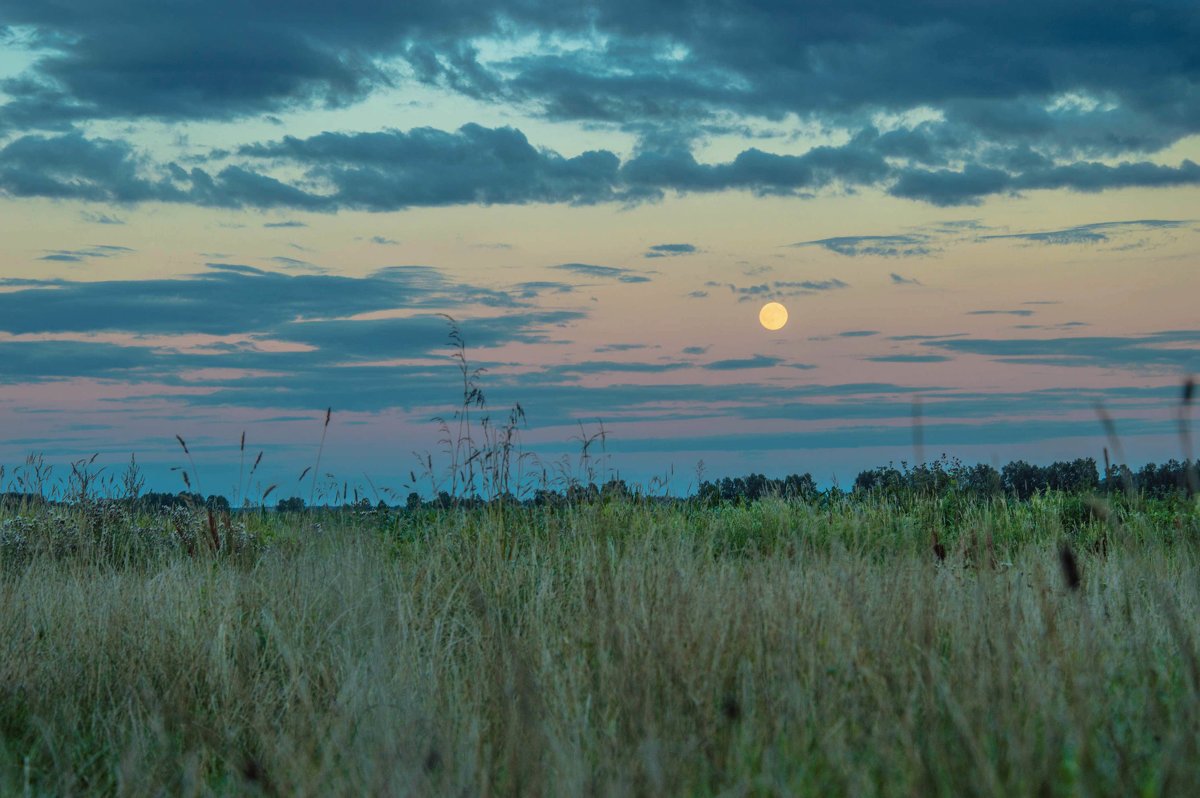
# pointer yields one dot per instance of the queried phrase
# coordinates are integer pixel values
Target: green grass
(611, 649)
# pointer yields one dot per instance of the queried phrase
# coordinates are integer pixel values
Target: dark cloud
(40, 361)
(72, 166)
(899, 279)
(378, 172)
(1033, 94)
(288, 223)
(970, 185)
(650, 173)
(190, 60)
(425, 167)
(384, 241)
(394, 170)
(858, 333)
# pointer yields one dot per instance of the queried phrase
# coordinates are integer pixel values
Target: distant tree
(293, 505)
(1022, 479)
(880, 479)
(218, 503)
(1076, 476)
(799, 486)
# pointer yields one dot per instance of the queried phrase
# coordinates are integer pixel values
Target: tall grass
(614, 648)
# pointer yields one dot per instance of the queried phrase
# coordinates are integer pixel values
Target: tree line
(1019, 480)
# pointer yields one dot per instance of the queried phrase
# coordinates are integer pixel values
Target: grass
(609, 648)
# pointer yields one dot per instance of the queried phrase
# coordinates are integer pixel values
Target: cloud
(832, 284)
(898, 246)
(530, 289)
(368, 171)
(100, 218)
(384, 241)
(909, 359)
(898, 279)
(943, 103)
(193, 61)
(607, 272)
(780, 289)
(225, 299)
(320, 339)
(738, 364)
(72, 166)
(40, 361)
(1173, 350)
(288, 223)
(296, 264)
(858, 333)
(82, 255)
(619, 348)
(1021, 312)
(651, 173)
(971, 184)
(1097, 233)
(393, 170)
(669, 250)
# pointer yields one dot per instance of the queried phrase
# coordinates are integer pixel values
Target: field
(832, 646)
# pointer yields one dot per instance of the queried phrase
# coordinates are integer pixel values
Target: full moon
(773, 316)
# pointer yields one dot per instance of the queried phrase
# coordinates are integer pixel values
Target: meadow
(859, 643)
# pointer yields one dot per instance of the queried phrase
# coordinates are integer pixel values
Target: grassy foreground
(614, 649)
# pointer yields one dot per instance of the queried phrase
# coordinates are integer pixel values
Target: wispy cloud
(101, 218)
(780, 289)
(908, 359)
(669, 250)
(1019, 312)
(739, 364)
(607, 272)
(1097, 233)
(1175, 350)
(85, 254)
(894, 246)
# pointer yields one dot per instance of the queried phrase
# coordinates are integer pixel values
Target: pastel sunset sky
(223, 216)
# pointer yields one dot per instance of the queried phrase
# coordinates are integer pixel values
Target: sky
(219, 217)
